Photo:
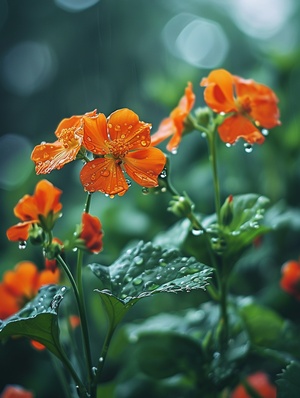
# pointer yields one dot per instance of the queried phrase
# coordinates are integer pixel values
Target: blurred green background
(64, 57)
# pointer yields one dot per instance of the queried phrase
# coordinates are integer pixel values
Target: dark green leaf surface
(289, 382)
(148, 269)
(38, 320)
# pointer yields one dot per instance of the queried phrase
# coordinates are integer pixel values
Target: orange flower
(174, 124)
(74, 321)
(21, 285)
(259, 381)
(16, 392)
(249, 104)
(69, 132)
(91, 233)
(290, 281)
(42, 208)
(120, 143)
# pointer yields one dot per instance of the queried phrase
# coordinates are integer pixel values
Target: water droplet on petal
(228, 145)
(265, 132)
(174, 151)
(138, 260)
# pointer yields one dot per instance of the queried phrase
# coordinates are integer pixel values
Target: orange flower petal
(125, 124)
(165, 130)
(19, 232)
(21, 281)
(237, 126)
(260, 382)
(104, 175)
(187, 102)
(262, 101)
(48, 157)
(46, 277)
(9, 304)
(290, 280)
(16, 392)
(68, 123)
(38, 346)
(219, 94)
(47, 198)
(144, 166)
(95, 134)
(91, 233)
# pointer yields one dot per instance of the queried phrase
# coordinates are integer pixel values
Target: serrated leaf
(145, 270)
(38, 319)
(148, 269)
(289, 382)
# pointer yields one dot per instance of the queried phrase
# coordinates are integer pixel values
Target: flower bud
(227, 211)
(36, 235)
(203, 116)
(181, 206)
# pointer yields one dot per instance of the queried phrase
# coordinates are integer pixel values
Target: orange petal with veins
(144, 166)
(237, 126)
(125, 124)
(104, 175)
(95, 134)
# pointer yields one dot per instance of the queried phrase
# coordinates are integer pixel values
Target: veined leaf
(147, 269)
(289, 382)
(38, 319)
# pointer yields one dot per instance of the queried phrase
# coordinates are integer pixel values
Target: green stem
(213, 160)
(82, 314)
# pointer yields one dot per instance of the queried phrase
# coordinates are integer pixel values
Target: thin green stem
(213, 161)
(81, 311)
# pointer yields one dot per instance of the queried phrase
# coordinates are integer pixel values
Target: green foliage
(38, 320)
(148, 269)
(289, 382)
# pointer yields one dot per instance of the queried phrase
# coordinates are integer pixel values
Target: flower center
(118, 148)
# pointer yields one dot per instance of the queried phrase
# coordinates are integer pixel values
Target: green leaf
(263, 325)
(145, 270)
(38, 319)
(289, 382)
(148, 269)
(165, 354)
(247, 213)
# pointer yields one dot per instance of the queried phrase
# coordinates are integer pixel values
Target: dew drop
(174, 151)
(228, 145)
(248, 148)
(145, 191)
(94, 370)
(129, 183)
(163, 174)
(144, 143)
(203, 135)
(265, 132)
(22, 244)
(101, 359)
(137, 281)
(197, 232)
(138, 260)
(105, 173)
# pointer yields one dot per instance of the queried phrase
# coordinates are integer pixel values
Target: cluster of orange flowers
(122, 143)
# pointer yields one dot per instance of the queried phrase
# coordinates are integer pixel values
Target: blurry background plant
(59, 58)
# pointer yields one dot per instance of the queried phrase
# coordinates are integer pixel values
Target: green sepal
(38, 319)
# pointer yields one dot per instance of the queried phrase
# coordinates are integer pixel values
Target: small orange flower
(259, 382)
(249, 104)
(91, 233)
(21, 285)
(69, 132)
(173, 126)
(290, 281)
(42, 208)
(13, 391)
(122, 142)
(74, 321)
